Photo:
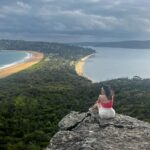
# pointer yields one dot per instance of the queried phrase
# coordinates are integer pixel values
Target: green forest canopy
(33, 101)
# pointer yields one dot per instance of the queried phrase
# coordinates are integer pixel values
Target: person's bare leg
(94, 107)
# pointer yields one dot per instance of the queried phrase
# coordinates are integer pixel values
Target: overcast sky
(75, 20)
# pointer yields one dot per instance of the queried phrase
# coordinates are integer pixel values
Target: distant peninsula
(119, 44)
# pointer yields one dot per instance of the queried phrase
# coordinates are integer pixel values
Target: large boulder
(86, 131)
(71, 120)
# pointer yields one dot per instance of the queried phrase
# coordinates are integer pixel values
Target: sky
(75, 20)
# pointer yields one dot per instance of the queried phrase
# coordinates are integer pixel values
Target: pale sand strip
(34, 59)
(79, 66)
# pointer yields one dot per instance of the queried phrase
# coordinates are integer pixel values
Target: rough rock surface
(86, 131)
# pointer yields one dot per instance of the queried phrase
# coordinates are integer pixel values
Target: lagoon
(112, 63)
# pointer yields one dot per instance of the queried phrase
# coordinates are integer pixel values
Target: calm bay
(112, 63)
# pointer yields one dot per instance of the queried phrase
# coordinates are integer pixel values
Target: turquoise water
(112, 63)
(8, 58)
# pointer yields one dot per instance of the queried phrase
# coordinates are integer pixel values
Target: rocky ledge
(86, 131)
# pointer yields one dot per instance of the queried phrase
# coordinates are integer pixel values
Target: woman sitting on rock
(104, 103)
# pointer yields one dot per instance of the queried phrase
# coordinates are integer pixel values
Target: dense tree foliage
(33, 101)
(63, 50)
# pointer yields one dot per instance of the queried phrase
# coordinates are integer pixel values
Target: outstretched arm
(113, 95)
(95, 106)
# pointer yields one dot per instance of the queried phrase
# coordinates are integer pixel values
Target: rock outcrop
(86, 131)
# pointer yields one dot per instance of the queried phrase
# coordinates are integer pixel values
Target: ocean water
(112, 63)
(9, 58)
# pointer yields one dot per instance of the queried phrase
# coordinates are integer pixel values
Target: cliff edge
(86, 131)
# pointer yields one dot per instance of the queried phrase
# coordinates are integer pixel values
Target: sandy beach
(33, 59)
(80, 64)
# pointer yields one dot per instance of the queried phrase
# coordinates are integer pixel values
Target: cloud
(23, 5)
(17, 8)
(75, 19)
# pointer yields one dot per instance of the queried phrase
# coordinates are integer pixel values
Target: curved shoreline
(79, 67)
(28, 55)
(34, 58)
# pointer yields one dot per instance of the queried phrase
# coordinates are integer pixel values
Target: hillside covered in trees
(33, 101)
(121, 44)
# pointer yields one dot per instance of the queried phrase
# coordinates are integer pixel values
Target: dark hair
(107, 91)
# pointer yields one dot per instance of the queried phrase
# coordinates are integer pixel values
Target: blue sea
(9, 57)
(112, 63)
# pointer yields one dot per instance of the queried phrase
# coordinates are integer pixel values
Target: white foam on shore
(26, 58)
